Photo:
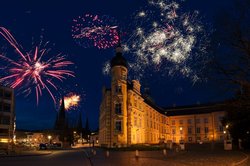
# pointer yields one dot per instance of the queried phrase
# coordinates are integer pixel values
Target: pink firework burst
(93, 30)
(31, 70)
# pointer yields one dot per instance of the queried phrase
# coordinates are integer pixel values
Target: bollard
(107, 153)
(164, 152)
(136, 153)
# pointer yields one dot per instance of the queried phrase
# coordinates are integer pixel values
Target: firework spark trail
(71, 101)
(30, 70)
(93, 30)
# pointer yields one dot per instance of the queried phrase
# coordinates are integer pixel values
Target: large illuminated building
(7, 115)
(129, 117)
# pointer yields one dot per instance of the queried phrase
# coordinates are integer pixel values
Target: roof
(194, 109)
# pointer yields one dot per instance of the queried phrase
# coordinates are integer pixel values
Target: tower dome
(119, 60)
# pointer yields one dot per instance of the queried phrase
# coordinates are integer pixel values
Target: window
(118, 125)
(1, 93)
(221, 128)
(189, 130)
(118, 108)
(220, 118)
(135, 103)
(118, 89)
(189, 121)
(173, 131)
(135, 121)
(206, 129)
(6, 107)
(173, 122)
(205, 120)
(1, 106)
(124, 75)
(197, 120)
(7, 95)
(189, 139)
(198, 130)
(5, 120)
(4, 131)
(139, 122)
(181, 121)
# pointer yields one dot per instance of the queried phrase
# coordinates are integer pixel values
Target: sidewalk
(153, 158)
(28, 153)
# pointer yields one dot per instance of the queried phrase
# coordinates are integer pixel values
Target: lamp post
(49, 137)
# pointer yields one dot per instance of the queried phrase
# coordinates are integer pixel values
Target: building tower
(118, 116)
(61, 125)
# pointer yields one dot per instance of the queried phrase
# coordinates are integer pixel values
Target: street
(62, 158)
(98, 157)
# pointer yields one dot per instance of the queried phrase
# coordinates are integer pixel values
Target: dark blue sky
(27, 19)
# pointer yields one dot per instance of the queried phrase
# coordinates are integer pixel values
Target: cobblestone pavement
(156, 158)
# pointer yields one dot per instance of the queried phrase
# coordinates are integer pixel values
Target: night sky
(27, 20)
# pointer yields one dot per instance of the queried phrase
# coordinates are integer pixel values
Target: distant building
(36, 137)
(7, 114)
(129, 117)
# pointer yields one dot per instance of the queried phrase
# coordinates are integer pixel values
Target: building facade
(129, 117)
(7, 115)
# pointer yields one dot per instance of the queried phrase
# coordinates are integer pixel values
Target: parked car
(42, 146)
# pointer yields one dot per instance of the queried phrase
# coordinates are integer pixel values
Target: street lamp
(49, 137)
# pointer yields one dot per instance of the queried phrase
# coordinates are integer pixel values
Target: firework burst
(93, 30)
(71, 101)
(32, 70)
(165, 39)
